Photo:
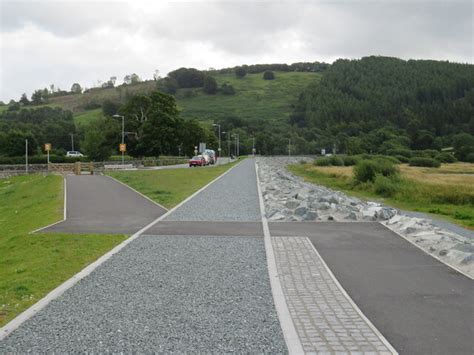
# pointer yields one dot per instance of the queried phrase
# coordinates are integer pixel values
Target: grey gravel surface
(163, 294)
(234, 197)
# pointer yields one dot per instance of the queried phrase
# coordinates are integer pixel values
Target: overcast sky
(62, 42)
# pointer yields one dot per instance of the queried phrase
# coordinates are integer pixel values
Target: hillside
(381, 104)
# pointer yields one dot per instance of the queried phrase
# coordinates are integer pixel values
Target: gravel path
(234, 197)
(164, 294)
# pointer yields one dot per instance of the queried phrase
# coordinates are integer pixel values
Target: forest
(388, 105)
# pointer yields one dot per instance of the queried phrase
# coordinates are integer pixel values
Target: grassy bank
(31, 265)
(447, 191)
(169, 187)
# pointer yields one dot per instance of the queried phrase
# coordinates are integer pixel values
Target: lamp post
(236, 136)
(123, 135)
(219, 126)
(72, 141)
(223, 132)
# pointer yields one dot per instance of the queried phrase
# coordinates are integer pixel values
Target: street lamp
(219, 126)
(123, 134)
(236, 136)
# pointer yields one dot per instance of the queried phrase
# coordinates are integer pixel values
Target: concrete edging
(290, 334)
(64, 210)
(58, 291)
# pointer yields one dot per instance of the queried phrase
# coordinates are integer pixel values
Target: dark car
(197, 160)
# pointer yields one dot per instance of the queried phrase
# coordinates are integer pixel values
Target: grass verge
(440, 192)
(169, 187)
(31, 265)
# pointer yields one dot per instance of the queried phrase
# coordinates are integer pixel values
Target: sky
(63, 42)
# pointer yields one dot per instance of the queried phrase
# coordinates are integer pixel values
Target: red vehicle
(197, 160)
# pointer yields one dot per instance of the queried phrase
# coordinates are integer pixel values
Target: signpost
(202, 147)
(47, 148)
(123, 147)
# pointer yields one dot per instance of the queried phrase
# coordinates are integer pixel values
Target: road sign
(123, 147)
(202, 147)
(47, 147)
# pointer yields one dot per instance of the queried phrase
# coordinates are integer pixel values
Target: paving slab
(99, 204)
(206, 228)
(419, 304)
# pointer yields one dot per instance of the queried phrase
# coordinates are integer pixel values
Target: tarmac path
(99, 204)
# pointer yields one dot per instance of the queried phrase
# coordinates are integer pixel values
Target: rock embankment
(288, 198)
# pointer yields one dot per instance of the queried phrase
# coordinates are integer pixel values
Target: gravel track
(234, 197)
(164, 294)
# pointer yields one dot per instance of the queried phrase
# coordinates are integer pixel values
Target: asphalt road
(99, 204)
(419, 304)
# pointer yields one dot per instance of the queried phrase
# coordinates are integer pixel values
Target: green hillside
(254, 97)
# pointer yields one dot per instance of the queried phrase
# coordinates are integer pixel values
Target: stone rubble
(289, 198)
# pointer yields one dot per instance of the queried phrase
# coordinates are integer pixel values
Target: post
(72, 141)
(219, 142)
(228, 143)
(48, 157)
(253, 145)
(26, 156)
(289, 147)
(123, 139)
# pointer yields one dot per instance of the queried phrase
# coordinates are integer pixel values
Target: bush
(469, 158)
(350, 160)
(400, 152)
(227, 89)
(210, 85)
(385, 186)
(366, 170)
(427, 153)
(268, 75)
(402, 158)
(426, 162)
(445, 158)
(322, 162)
(336, 161)
(240, 72)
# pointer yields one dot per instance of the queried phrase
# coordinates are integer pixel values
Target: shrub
(385, 186)
(426, 162)
(366, 170)
(469, 158)
(336, 161)
(402, 158)
(227, 89)
(390, 159)
(268, 75)
(427, 153)
(350, 160)
(445, 157)
(210, 85)
(400, 151)
(240, 72)
(322, 161)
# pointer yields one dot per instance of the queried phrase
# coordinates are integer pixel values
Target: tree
(76, 88)
(135, 79)
(210, 85)
(39, 97)
(101, 138)
(168, 85)
(110, 108)
(188, 77)
(24, 100)
(240, 72)
(268, 75)
(156, 75)
(463, 144)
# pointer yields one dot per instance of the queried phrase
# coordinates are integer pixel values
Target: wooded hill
(381, 104)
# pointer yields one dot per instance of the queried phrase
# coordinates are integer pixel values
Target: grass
(169, 187)
(86, 117)
(31, 265)
(254, 98)
(447, 191)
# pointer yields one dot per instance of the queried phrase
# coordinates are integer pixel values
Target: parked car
(74, 154)
(212, 155)
(197, 160)
(207, 159)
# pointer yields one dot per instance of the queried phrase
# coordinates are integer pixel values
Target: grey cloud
(62, 19)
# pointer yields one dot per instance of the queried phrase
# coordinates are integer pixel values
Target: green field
(31, 265)
(447, 192)
(86, 117)
(255, 98)
(169, 187)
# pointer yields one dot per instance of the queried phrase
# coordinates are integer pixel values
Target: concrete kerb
(354, 305)
(64, 210)
(138, 192)
(426, 252)
(58, 291)
(292, 339)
